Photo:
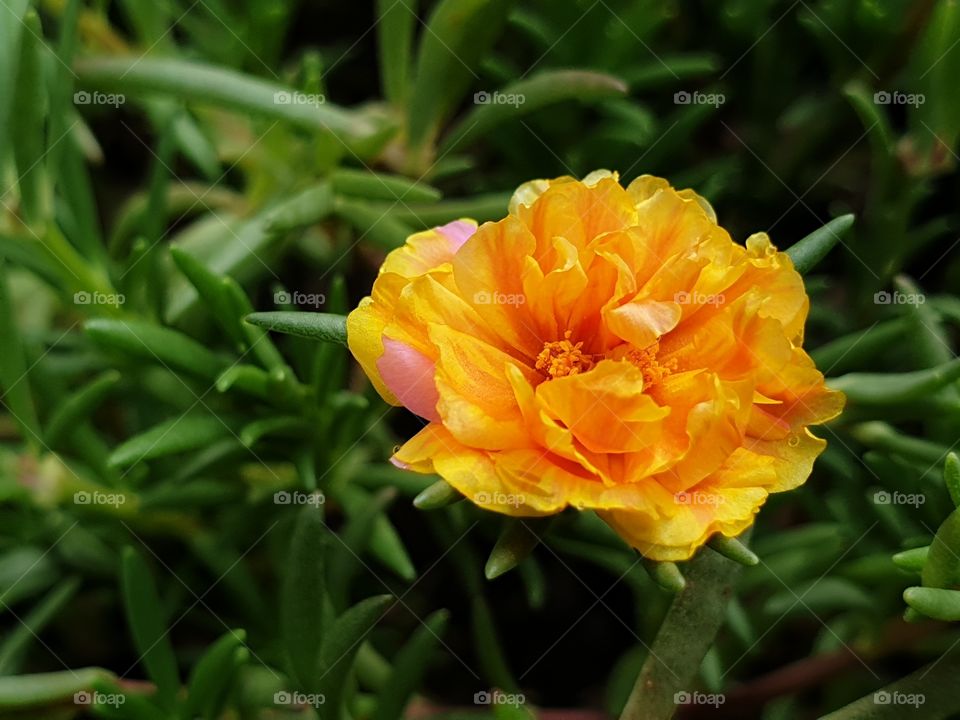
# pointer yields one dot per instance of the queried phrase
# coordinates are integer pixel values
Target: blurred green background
(197, 518)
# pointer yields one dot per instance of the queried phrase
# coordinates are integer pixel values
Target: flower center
(561, 358)
(646, 359)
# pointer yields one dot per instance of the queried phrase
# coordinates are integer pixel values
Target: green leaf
(824, 595)
(665, 574)
(856, 349)
(210, 288)
(942, 568)
(951, 476)
(340, 646)
(148, 626)
(518, 538)
(24, 571)
(481, 207)
(14, 375)
(156, 344)
(874, 121)
(29, 124)
(733, 549)
(669, 69)
(256, 338)
(377, 186)
(15, 644)
(934, 71)
(458, 35)
(306, 208)
(21, 692)
(385, 543)
(806, 253)
(373, 223)
(438, 495)
(249, 379)
(540, 90)
(409, 667)
(77, 407)
(326, 327)
(395, 28)
(912, 560)
(303, 595)
(211, 85)
(489, 648)
(11, 32)
(355, 537)
(882, 436)
(286, 425)
(882, 389)
(212, 676)
(936, 603)
(170, 437)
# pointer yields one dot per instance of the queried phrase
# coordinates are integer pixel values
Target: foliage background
(156, 190)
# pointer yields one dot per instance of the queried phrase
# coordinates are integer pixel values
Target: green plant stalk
(938, 683)
(684, 637)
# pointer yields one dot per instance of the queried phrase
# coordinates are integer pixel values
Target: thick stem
(932, 692)
(684, 637)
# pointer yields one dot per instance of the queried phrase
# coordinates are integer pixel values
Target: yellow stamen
(561, 358)
(646, 359)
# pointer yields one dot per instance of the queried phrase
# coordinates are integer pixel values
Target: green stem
(936, 686)
(684, 637)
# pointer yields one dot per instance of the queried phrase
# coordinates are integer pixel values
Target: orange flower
(605, 348)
